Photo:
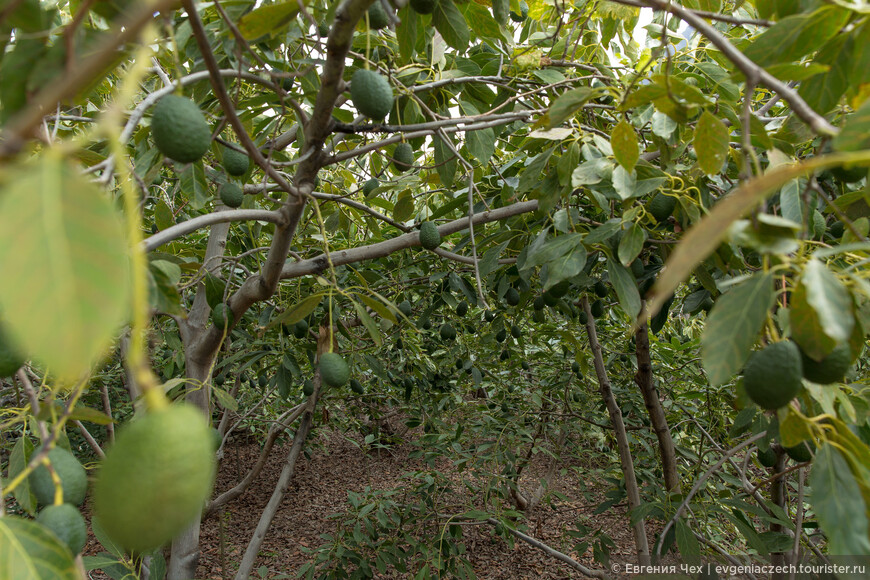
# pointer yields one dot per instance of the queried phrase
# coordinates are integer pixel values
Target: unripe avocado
(767, 458)
(179, 129)
(830, 369)
(505, 354)
(662, 206)
(516, 332)
(447, 332)
(333, 370)
(235, 162)
(424, 6)
(501, 335)
(405, 307)
(597, 309)
(378, 16)
(801, 452)
(307, 388)
(371, 93)
(403, 157)
(67, 523)
(462, 309)
(155, 478)
(489, 316)
(430, 238)
(512, 297)
(538, 304)
(356, 387)
(772, 376)
(300, 329)
(369, 186)
(73, 478)
(600, 289)
(231, 194)
(222, 316)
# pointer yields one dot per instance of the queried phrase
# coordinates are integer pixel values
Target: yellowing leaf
(623, 139)
(711, 143)
(62, 246)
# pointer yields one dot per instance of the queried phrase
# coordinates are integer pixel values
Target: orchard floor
(320, 488)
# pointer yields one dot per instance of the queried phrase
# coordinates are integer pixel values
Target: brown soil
(320, 488)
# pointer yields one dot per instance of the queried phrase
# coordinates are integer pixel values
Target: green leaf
(448, 20)
(690, 549)
(794, 428)
(445, 161)
(623, 140)
(406, 33)
(855, 134)
(830, 299)
(838, 503)
(711, 143)
(369, 323)
(566, 266)
(193, 184)
(481, 21)
(268, 19)
(215, 288)
(534, 172)
(60, 235)
(806, 328)
(18, 460)
(379, 307)
(631, 244)
(481, 144)
(823, 91)
(566, 106)
(796, 36)
(28, 550)
(625, 286)
(224, 399)
(552, 249)
(404, 208)
(733, 326)
(298, 311)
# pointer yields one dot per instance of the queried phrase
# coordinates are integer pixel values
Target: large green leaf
(796, 36)
(29, 551)
(625, 286)
(733, 326)
(298, 311)
(830, 299)
(61, 237)
(18, 460)
(711, 143)
(631, 244)
(690, 549)
(806, 328)
(268, 19)
(448, 20)
(566, 106)
(840, 509)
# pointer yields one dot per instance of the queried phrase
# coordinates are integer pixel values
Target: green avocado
(179, 129)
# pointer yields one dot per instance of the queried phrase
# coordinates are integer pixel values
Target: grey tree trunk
(625, 459)
(657, 419)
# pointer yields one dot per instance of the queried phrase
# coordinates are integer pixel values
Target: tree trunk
(657, 419)
(631, 489)
(184, 553)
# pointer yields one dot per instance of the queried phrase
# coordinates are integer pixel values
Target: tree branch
(755, 75)
(22, 125)
(319, 263)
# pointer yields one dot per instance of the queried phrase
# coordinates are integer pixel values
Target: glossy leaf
(733, 326)
(830, 300)
(448, 20)
(711, 143)
(625, 286)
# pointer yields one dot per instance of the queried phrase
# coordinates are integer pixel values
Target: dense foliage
(496, 230)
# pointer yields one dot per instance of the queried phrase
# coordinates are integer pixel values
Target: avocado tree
(511, 213)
